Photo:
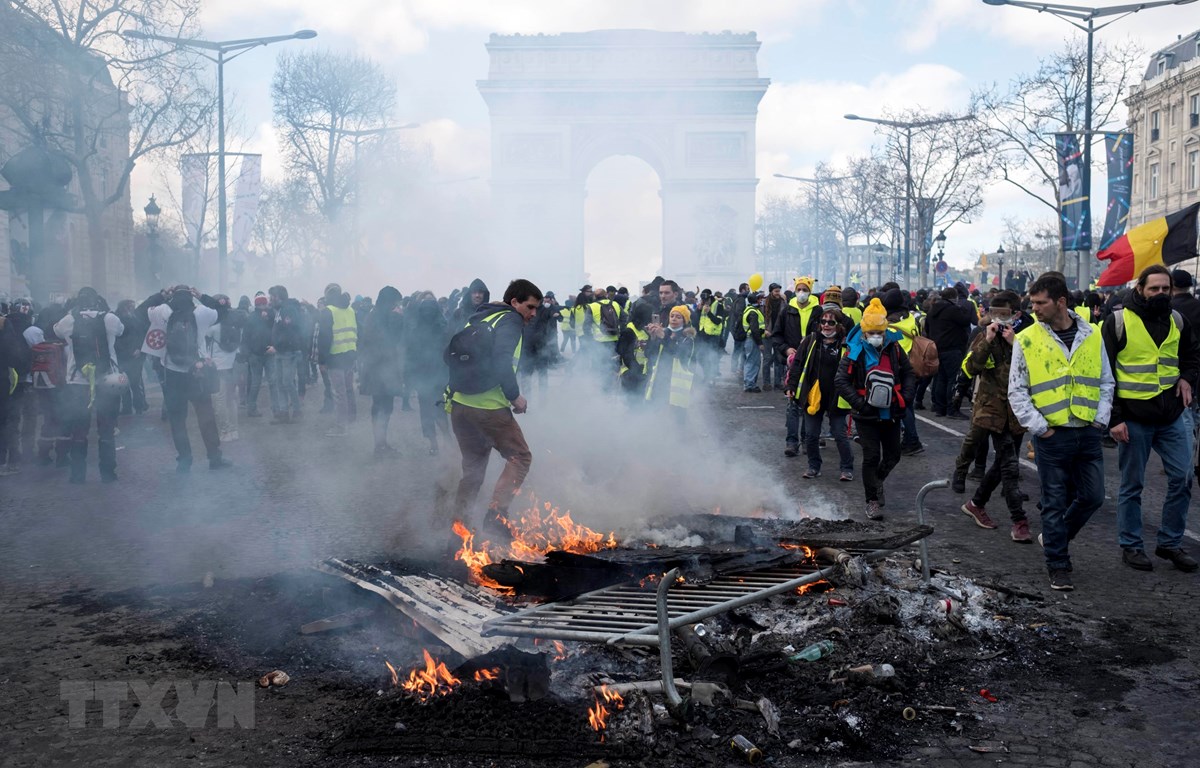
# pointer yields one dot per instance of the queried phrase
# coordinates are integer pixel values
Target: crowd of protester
(1074, 372)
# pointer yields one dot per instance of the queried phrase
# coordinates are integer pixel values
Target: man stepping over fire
(483, 396)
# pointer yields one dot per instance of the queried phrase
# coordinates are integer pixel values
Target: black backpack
(610, 320)
(182, 339)
(470, 356)
(89, 343)
(231, 330)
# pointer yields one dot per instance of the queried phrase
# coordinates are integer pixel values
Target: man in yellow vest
(1060, 388)
(1154, 355)
(337, 350)
(483, 420)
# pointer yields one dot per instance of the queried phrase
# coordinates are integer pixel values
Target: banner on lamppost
(194, 170)
(245, 205)
(1118, 148)
(1074, 205)
(926, 208)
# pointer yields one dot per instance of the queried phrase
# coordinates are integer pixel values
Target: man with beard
(1153, 352)
(1060, 387)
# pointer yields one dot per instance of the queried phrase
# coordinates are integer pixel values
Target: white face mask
(829, 333)
(875, 341)
(802, 296)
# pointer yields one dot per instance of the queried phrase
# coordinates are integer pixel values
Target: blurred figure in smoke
(90, 332)
(541, 345)
(424, 340)
(18, 417)
(485, 420)
(603, 321)
(670, 354)
(190, 374)
(224, 341)
(632, 349)
(381, 363)
(712, 322)
(337, 351)
(285, 355)
(129, 357)
(476, 295)
(255, 340)
(48, 370)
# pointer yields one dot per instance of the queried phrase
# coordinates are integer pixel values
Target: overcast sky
(824, 58)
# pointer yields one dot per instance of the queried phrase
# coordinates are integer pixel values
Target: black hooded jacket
(381, 347)
(424, 339)
(465, 308)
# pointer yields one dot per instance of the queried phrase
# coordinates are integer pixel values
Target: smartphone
(654, 318)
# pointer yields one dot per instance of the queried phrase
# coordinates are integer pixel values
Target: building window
(1194, 111)
(1155, 124)
(1152, 191)
(1162, 66)
(1193, 169)
(1171, 174)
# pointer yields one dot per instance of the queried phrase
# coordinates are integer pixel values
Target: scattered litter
(276, 678)
(770, 714)
(986, 694)
(744, 747)
(988, 746)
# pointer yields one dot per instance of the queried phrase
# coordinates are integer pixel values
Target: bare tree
(289, 233)
(852, 202)
(74, 84)
(319, 99)
(782, 231)
(1022, 118)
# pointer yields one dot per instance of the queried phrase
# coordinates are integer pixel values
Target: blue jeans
(812, 438)
(285, 395)
(1070, 464)
(753, 364)
(949, 364)
(1173, 444)
(739, 356)
(792, 423)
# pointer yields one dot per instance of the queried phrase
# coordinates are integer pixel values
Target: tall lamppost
(907, 127)
(817, 192)
(221, 48)
(1000, 262)
(941, 252)
(1073, 15)
(880, 257)
(152, 212)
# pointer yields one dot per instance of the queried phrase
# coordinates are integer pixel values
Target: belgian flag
(1167, 240)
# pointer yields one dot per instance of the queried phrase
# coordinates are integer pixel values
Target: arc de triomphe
(684, 103)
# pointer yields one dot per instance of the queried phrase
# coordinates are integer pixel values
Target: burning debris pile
(856, 658)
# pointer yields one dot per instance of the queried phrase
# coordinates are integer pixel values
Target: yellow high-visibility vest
(345, 330)
(681, 382)
(1144, 370)
(708, 326)
(639, 352)
(762, 320)
(493, 399)
(805, 313)
(908, 329)
(1061, 388)
(597, 329)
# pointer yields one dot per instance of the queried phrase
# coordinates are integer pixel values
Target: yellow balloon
(755, 282)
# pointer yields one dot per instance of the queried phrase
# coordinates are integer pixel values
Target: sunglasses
(828, 322)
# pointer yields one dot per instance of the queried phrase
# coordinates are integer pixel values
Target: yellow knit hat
(807, 282)
(683, 310)
(874, 318)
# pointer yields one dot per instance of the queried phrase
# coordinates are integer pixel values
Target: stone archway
(686, 104)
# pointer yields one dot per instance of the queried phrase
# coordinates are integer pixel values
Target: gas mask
(875, 340)
(802, 296)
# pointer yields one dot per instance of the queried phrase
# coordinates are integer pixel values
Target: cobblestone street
(106, 582)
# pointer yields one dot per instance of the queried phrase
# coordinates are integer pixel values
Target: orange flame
(599, 712)
(809, 552)
(433, 680)
(487, 675)
(395, 675)
(560, 651)
(537, 531)
(800, 590)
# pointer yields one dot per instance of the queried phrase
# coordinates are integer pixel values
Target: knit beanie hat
(833, 295)
(683, 310)
(874, 319)
(807, 282)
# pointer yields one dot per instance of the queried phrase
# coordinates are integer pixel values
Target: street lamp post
(1000, 269)
(880, 257)
(1073, 14)
(907, 127)
(817, 191)
(152, 212)
(221, 48)
(941, 246)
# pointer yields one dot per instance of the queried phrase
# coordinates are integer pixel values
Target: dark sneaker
(912, 450)
(977, 473)
(253, 413)
(220, 464)
(1061, 580)
(873, 511)
(958, 483)
(846, 477)
(1180, 559)
(752, 389)
(791, 451)
(978, 514)
(280, 418)
(1020, 532)
(108, 477)
(957, 415)
(810, 473)
(1136, 559)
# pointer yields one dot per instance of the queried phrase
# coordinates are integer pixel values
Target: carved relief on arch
(715, 228)
(531, 150)
(716, 148)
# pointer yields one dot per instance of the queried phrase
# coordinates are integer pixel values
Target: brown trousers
(478, 431)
